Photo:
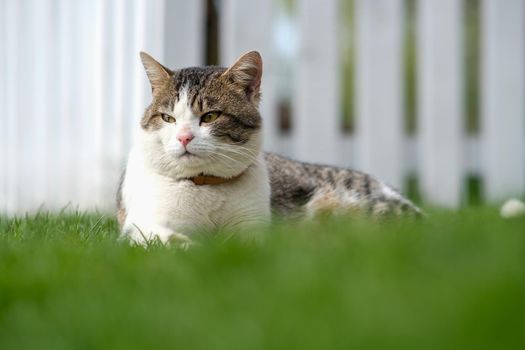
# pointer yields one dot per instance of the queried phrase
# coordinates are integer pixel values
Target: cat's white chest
(158, 205)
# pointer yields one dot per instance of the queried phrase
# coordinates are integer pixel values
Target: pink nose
(185, 138)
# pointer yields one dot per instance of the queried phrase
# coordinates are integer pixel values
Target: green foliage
(347, 44)
(455, 280)
(410, 67)
(472, 65)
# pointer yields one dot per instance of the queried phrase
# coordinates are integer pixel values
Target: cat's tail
(512, 208)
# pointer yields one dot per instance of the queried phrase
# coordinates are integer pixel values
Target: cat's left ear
(246, 73)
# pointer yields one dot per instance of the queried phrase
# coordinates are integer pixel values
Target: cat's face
(203, 120)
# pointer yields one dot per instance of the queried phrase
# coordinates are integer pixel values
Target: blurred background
(425, 94)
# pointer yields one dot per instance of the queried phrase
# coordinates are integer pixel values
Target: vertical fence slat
(53, 164)
(140, 84)
(100, 89)
(3, 110)
(150, 17)
(183, 33)
(12, 80)
(379, 124)
(113, 70)
(86, 108)
(115, 81)
(247, 25)
(154, 39)
(36, 150)
(23, 152)
(75, 81)
(503, 98)
(440, 100)
(65, 97)
(316, 122)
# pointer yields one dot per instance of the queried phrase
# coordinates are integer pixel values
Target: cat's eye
(210, 117)
(167, 118)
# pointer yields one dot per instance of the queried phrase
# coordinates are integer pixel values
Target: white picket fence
(73, 89)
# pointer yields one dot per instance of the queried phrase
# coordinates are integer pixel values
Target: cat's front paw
(179, 240)
(147, 234)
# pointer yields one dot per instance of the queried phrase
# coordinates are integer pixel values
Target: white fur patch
(390, 193)
(159, 206)
(182, 107)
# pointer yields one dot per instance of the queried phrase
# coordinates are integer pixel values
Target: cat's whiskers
(233, 160)
(225, 160)
(222, 161)
(250, 155)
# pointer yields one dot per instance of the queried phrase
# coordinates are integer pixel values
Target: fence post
(12, 23)
(3, 109)
(183, 33)
(247, 25)
(503, 94)
(316, 108)
(379, 124)
(440, 100)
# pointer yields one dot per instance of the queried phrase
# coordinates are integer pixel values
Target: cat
(197, 165)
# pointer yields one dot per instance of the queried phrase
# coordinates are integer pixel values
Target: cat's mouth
(188, 155)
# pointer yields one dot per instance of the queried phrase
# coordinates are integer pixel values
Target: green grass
(456, 280)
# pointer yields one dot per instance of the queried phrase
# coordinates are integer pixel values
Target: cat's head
(203, 120)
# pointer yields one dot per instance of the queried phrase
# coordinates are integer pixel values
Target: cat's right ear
(157, 73)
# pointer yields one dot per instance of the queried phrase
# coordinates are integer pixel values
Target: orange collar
(200, 180)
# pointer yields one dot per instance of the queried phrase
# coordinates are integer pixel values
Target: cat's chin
(190, 162)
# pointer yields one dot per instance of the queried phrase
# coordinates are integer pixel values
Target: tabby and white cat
(198, 166)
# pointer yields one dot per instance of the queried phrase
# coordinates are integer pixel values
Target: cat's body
(307, 190)
(197, 165)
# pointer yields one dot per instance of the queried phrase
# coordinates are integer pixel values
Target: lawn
(455, 280)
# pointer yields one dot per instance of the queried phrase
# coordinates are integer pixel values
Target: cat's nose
(185, 138)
